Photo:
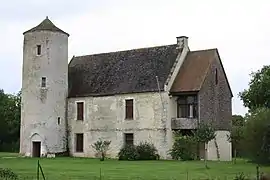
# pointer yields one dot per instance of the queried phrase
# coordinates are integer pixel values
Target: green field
(82, 168)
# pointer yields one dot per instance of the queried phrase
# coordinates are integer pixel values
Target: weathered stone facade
(105, 119)
(215, 99)
(42, 106)
(49, 112)
(215, 107)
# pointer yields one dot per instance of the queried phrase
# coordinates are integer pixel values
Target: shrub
(241, 176)
(147, 151)
(235, 137)
(101, 147)
(10, 147)
(256, 136)
(8, 174)
(184, 148)
(144, 151)
(128, 152)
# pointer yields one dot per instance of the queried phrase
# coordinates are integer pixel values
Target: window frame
(58, 120)
(80, 116)
(126, 138)
(38, 50)
(43, 82)
(77, 149)
(129, 109)
(216, 76)
(188, 109)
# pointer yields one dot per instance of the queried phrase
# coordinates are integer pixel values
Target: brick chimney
(182, 41)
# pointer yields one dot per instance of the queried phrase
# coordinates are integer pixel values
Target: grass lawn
(63, 168)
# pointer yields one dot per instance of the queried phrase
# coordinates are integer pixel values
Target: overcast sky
(239, 29)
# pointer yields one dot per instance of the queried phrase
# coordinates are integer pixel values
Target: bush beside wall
(143, 151)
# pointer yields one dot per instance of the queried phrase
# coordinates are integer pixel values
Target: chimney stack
(182, 41)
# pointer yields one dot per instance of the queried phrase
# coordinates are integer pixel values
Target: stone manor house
(126, 97)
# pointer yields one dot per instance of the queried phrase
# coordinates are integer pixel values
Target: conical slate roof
(46, 25)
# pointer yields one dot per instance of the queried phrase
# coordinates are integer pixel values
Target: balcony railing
(184, 123)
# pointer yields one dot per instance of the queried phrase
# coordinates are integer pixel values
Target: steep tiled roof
(193, 71)
(46, 25)
(121, 72)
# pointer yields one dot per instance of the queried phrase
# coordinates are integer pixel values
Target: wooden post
(100, 173)
(258, 172)
(38, 170)
(42, 173)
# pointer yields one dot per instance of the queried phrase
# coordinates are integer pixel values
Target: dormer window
(38, 50)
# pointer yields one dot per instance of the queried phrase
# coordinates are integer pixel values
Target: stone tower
(44, 90)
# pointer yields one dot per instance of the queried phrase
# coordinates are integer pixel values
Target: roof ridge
(127, 50)
(209, 49)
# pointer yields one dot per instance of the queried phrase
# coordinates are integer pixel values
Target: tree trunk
(205, 156)
(102, 156)
(235, 155)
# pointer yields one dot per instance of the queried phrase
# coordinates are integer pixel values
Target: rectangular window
(80, 110)
(129, 109)
(79, 142)
(129, 139)
(216, 76)
(43, 82)
(38, 49)
(187, 107)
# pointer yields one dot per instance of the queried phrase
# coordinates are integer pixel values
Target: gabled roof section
(130, 71)
(193, 71)
(46, 25)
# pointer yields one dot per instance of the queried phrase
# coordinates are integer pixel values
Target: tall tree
(258, 93)
(238, 120)
(257, 135)
(10, 108)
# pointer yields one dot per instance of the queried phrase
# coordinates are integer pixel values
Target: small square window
(43, 82)
(129, 139)
(38, 49)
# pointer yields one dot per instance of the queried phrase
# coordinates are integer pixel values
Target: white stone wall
(224, 147)
(105, 119)
(41, 107)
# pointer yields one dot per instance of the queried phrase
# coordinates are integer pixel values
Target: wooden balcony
(184, 123)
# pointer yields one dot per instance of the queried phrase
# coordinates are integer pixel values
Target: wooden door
(36, 149)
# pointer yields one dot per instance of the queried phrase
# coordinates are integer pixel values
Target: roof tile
(121, 72)
(193, 71)
(46, 25)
